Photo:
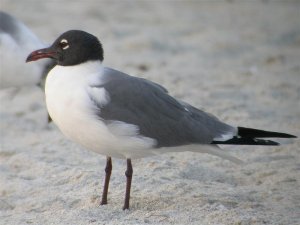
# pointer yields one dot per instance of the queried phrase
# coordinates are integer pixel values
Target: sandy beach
(238, 60)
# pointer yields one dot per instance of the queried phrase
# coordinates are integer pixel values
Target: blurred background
(236, 59)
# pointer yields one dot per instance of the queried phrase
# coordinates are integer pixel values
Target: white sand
(240, 61)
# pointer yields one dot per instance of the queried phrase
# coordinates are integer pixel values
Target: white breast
(68, 90)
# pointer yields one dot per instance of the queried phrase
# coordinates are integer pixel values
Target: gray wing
(9, 25)
(158, 115)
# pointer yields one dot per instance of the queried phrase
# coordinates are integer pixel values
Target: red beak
(40, 54)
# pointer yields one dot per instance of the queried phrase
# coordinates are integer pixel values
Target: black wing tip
(272, 143)
(291, 136)
(256, 133)
(246, 141)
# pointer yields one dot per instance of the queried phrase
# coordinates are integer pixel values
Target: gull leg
(128, 175)
(108, 169)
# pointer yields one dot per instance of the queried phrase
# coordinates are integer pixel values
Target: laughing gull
(118, 115)
(16, 40)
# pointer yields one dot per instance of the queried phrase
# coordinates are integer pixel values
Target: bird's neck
(75, 76)
(88, 67)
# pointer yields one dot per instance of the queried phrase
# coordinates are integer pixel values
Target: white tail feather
(215, 150)
(209, 149)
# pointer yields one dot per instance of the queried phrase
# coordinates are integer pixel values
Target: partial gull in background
(16, 42)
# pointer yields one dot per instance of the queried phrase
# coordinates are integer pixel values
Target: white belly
(73, 111)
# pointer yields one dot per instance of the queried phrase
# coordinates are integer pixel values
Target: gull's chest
(64, 93)
(68, 95)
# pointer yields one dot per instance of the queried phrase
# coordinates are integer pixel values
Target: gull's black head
(71, 48)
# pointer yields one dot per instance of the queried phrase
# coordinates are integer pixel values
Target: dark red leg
(108, 169)
(128, 174)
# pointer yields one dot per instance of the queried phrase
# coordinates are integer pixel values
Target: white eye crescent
(64, 44)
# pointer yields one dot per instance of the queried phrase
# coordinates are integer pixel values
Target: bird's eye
(64, 44)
